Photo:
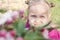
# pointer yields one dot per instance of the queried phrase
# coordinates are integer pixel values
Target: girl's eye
(42, 16)
(33, 16)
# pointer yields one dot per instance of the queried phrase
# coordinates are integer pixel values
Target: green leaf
(21, 27)
(33, 36)
(29, 36)
(15, 24)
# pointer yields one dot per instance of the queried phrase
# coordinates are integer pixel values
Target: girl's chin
(35, 25)
(39, 26)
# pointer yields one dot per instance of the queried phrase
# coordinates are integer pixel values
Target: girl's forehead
(38, 9)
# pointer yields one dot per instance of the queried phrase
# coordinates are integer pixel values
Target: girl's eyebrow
(33, 15)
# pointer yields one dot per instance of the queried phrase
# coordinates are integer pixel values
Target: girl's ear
(52, 5)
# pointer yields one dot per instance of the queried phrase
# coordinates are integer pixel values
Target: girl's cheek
(45, 20)
(34, 22)
(31, 21)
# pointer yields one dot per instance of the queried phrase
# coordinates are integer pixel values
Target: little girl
(39, 17)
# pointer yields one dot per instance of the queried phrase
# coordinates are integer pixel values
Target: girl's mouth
(34, 24)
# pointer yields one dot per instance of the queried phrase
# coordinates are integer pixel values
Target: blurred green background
(55, 11)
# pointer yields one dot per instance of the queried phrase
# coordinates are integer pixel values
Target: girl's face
(38, 15)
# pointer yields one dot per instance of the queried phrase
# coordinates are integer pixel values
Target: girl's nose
(38, 21)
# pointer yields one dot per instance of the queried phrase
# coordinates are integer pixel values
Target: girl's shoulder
(52, 26)
(54, 33)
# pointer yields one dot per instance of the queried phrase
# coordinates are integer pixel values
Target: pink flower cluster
(8, 35)
(9, 16)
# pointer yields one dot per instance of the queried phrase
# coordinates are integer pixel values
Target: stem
(33, 29)
(1, 27)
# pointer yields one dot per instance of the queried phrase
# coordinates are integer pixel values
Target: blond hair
(33, 2)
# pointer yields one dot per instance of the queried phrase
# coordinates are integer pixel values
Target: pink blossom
(19, 38)
(3, 33)
(12, 32)
(2, 38)
(9, 21)
(15, 14)
(21, 11)
(9, 37)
